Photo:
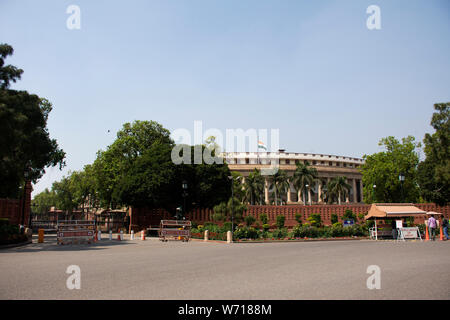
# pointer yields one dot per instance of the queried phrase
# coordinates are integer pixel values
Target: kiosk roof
(386, 210)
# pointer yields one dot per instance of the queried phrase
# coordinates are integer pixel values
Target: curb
(15, 245)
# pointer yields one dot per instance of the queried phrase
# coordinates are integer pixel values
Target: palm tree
(339, 186)
(280, 184)
(304, 175)
(254, 187)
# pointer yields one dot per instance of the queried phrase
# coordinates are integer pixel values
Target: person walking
(445, 226)
(432, 224)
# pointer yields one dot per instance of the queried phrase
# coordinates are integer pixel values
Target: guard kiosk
(175, 230)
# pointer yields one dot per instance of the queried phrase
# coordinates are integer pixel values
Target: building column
(355, 198)
(319, 192)
(309, 195)
(361, 191)
(299, 197)
(266, 190)
(289, 200)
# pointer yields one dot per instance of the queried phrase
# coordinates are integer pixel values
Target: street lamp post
(184, 185)
(307, 193)
(401, 177)
(232, 205)
(373, 193)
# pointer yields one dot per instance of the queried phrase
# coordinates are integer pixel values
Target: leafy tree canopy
(27, 148)
(383, 169)
(434, 171)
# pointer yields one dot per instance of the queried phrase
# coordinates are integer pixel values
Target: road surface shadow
(50, 244)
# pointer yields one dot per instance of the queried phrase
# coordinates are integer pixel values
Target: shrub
(266, 227)
(246, 233)
(349, 215)
(249, 220)
(280, 221)
(315, 220)
(217, 216)
(280, 233)
(227, 226)
(263, 218)
(334, 218)
(298, 218)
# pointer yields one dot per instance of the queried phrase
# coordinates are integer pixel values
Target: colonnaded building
(328, 167)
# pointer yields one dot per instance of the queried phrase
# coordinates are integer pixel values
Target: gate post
(206, 235)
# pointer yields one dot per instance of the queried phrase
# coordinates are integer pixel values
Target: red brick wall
(143, 218)
(12, 208)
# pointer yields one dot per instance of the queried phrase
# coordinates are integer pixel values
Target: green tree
(279, 182)
(338, 186)
(304, 175)
(43, 202)
(434, 172)
(254, 187)
(383, 169)
(26, 147)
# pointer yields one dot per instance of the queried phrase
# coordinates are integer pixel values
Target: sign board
(348, 223)
(399, 224)
(75, 231)
(409, 233)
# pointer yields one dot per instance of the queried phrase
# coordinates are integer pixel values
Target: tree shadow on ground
(50, 244)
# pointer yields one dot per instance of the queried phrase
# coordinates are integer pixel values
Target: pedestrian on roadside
(432, 224)
(445, 226)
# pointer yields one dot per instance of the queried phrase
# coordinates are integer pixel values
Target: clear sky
(312, 69)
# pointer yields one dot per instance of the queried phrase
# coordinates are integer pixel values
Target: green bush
(349, 215)
(227, 226)
(4, 221)
(334, 218)
(280, 233)
(280, 221)
(263, 218)
(315, 220)
(246, 233)
(249, 220)
(266, 227)
(298, 218)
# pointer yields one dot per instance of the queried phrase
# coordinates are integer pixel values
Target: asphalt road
(197, 270)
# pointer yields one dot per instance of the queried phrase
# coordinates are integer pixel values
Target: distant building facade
(328, 167)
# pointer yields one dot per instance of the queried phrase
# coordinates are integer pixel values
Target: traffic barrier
(132, 235)
(441, 235)
(121, 235)
(110, 234)
(427, 236)
(95, 236)
(41, 236)
(99, 235)
(206, 235)
(118, 236)
(142, 235)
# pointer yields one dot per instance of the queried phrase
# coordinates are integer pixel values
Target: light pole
(232, 204)
(184, 185)
(307, 193)
(373, 193)
(401, 177)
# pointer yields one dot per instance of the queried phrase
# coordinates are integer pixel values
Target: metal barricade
(75, 231)
(175, 229)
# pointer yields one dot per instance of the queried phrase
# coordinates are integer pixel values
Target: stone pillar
(266, 190)
(361, 190)
(299, 197)
(355, 198)
(309, 195)
(319, 191)
(289, 200)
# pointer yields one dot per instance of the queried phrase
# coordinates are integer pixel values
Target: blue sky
(312, 69)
